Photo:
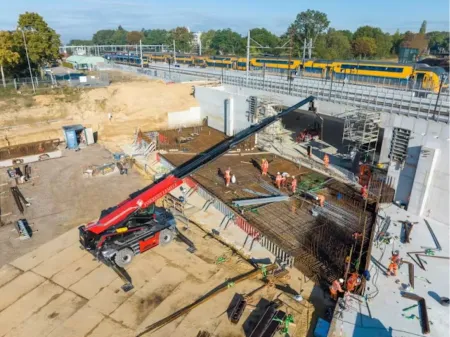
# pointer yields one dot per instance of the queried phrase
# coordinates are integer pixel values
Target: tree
(103, 37)
(423, 27)
(396, 39)
(309, 24)
(226, 41)
(206, 39)
(76, 42)
(134, 37)
(383, 42)
(42, 41)
(347, 33)
(7, 53)
(266, 39)
(119, 36)
(333, 45)
(364, 46)
(183, 39)
(438, 42)
(156, 36)
(417, 41)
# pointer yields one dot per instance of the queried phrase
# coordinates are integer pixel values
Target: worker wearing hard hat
(336, 287)
(278, 180)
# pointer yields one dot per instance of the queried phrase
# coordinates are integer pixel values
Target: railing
(419, 104)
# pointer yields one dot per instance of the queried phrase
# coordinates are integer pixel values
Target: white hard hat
(341, 280)
(278, 172)
(293, 177)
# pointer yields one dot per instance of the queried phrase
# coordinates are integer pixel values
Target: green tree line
(42, 45)
(328, 43)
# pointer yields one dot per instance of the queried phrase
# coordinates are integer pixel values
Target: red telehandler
(136, 225)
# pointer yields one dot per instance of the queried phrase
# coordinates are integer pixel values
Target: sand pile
(134, 104)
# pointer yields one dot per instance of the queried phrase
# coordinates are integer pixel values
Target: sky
(80, 19)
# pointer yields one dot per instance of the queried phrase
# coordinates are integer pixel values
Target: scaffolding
(361, 129)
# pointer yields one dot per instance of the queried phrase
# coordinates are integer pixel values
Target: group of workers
(353, 281)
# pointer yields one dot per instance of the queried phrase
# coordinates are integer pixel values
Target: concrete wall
(184, 118)
(31, 159)
(423, 181)
(226, 112)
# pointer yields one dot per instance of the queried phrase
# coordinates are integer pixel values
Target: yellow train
(389, 74)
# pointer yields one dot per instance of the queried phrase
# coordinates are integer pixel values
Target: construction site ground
(61, 198)
(59, 290)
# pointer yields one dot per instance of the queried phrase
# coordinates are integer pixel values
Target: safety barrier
(230, 216)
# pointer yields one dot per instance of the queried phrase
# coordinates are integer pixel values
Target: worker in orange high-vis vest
(326, 160)
(364, 192)
(353, 281)
(278, 180)
(321, 200)
(264, 166)
(227, 177)
(294, 184)
(336, 287)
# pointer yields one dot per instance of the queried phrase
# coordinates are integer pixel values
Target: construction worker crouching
(336, 287)
(321, 200)
(227, 177)
(353, 281)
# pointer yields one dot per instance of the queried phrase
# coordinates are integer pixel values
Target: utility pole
(310, 49)
(200, 45)
(248, 57)
(140, 47)
(174, 53)
(304, 50)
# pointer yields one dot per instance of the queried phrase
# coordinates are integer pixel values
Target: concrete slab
(79, 324)
(49, 317)
(8, 273)
(23, 308)
(93, 282)
(185, 294)
(142, 271)
(12, 291)
(137, 307)
(45, 252)
(109, 328)
(59, 261)
(189, 262)
(76, 271)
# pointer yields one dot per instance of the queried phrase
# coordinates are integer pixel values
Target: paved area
(58, 290)
(61, 198)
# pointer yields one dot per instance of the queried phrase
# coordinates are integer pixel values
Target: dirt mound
(133, 104)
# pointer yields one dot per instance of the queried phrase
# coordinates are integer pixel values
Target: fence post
(15, 84)
(37, 82)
